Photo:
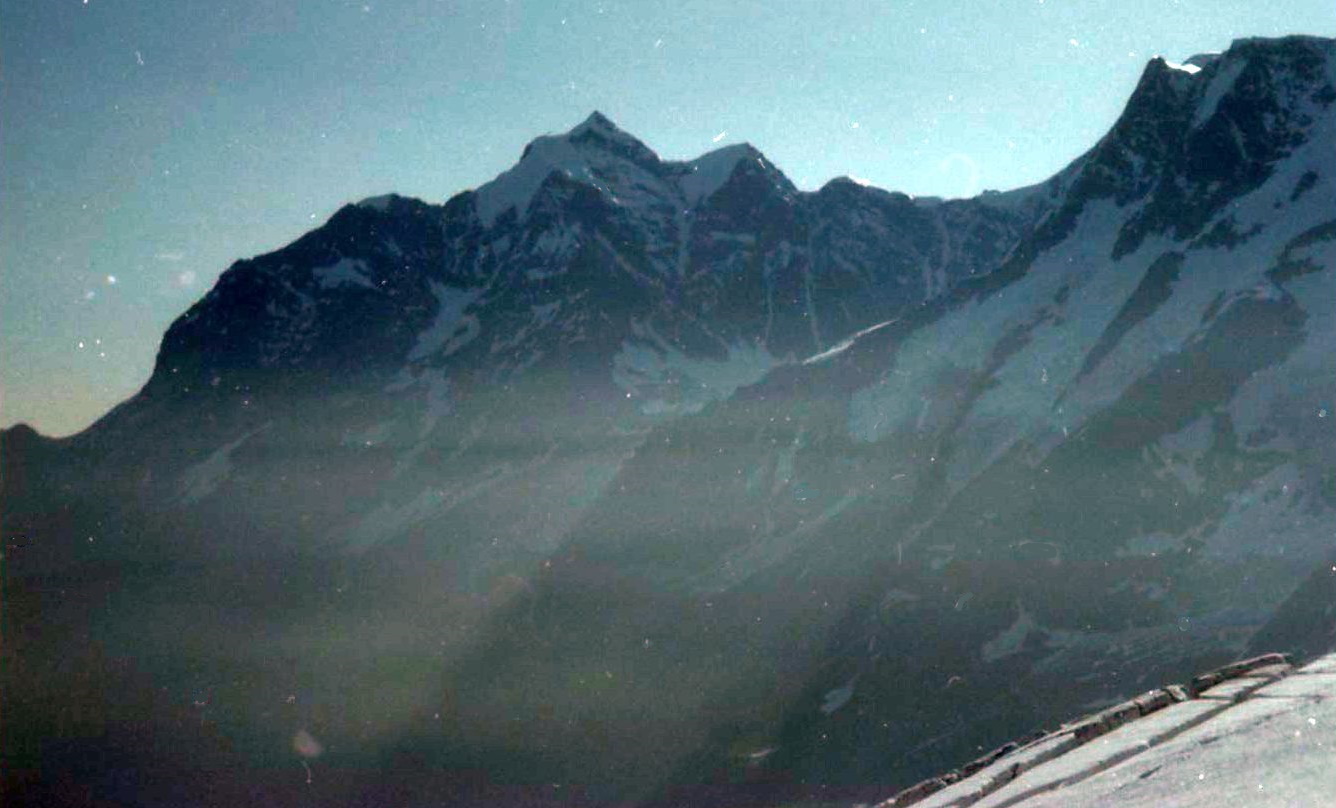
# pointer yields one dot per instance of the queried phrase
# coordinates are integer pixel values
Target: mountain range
(621, 479)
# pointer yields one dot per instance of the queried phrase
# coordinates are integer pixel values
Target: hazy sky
(145, 145)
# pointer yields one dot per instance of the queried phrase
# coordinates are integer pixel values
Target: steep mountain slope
(1104, 465)
(582, 295)
(635, 473)
(412, 406)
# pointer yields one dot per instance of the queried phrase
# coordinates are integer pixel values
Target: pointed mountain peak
(700, 178)
(592, 148)
(599, 122)
(600, 132)
(731, 154)
(1197, 135)
(598, 153)
(1282, 68)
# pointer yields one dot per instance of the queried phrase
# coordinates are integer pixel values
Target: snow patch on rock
(452, 328)
(344, 272)
(707, 174)
(844, 345)
(837, 698)
(1185, 68)
(666, 381)
(1012, 639)
(574, 154)
(203, 479)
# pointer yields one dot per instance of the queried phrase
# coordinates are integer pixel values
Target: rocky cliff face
(618, 454)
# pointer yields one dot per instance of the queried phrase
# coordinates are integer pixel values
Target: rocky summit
(628, 480)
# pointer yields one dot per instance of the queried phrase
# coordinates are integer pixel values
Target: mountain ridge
(772, 484)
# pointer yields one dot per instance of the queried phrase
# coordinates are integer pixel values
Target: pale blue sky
(157, 141)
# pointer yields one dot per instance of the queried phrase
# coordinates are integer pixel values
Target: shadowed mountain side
(659, 480)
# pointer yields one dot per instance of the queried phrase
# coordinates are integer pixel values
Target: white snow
(708, 173)
(558, 242)
(452, 328)
(1192, 440)
(515, 188)
(837, 698)
(1023, 402)
(1249, 741)
(666, 381)
(1181, 452)
(837, 349)
(1273, 749)
(344, 272)
(1104, 752)
(437, 403)
(961, 342)
(203, 478)
(845, 344)
(1012, 639)
(1266, 520)
(1186, 68)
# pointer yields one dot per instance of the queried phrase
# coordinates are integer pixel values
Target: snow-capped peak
(589, 150)
(598, 132)
(599, 123)
(599, 154)
(707, 173)
(1185, 67)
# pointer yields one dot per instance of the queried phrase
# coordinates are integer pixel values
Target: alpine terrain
(627, 480)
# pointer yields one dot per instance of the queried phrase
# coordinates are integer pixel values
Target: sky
(145, 145)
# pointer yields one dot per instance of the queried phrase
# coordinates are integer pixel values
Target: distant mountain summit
(638, 473)
(598, 154)
(592, 286)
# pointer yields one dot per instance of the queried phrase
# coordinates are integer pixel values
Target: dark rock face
(638, 474)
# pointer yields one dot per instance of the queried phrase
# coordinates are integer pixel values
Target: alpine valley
(626, 480)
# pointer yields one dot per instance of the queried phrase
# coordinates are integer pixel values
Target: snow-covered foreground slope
(618, 454)
(1264, 737)
(1274, 748)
